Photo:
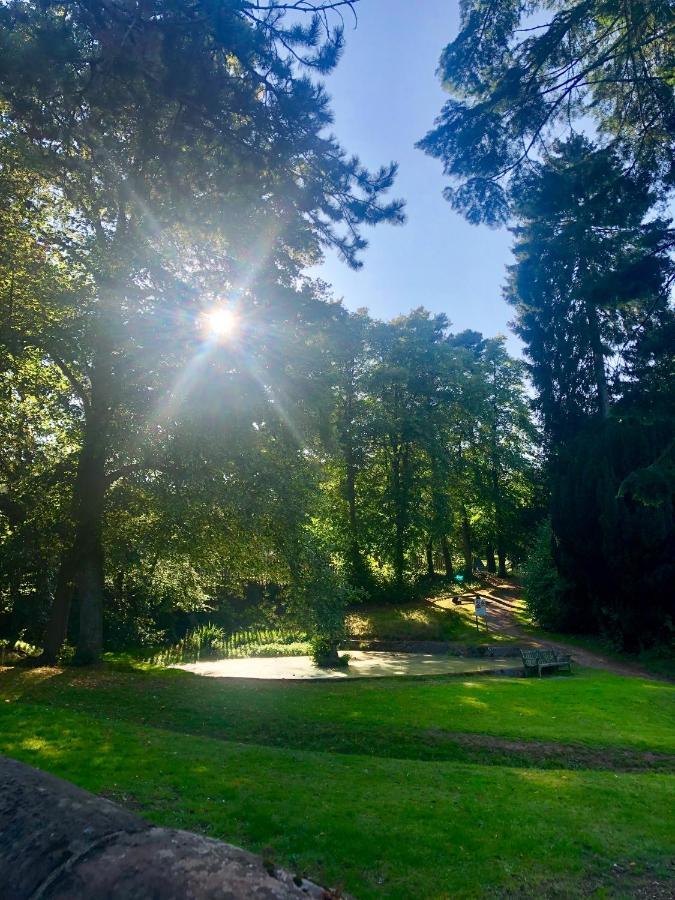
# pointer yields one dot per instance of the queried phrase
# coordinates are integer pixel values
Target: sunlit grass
(378, 810)
(422, 621)
(591, 707)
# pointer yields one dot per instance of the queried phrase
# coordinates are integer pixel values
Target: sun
(220, 323)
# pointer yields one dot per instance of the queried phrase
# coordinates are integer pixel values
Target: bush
(207, 641)
(211, 642)
(324, 651)
(318, 602)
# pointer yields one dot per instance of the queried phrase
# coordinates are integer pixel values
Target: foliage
(156, 192)
(618, 551)
(590, 280)
(561, 117)
(236, 521)
(544, 589)
(591, 287)
(521, 75)
(154, 476)
(318, 600)
(212, 642)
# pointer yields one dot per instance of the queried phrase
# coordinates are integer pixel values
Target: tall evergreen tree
(591, 271)
(522, 75)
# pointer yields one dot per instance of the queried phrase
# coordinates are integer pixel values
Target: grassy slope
(594, 708)
(380, 824)
(421, 621)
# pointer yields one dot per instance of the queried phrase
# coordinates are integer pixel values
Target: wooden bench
(534, 658)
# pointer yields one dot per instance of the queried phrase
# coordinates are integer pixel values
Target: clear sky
(385, 97)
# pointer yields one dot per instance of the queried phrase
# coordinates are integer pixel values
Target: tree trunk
(490, 555)
(399, 517)
(430, 558)
(501, 555)
(599, 372)
(88, 500)
(447, 558)
(81, 568)
(359, 571)
(497, 494)
(356, 560)
(467, 549)
(57, 627)
(16, 612)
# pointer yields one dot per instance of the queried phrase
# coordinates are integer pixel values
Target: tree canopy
(523, 75)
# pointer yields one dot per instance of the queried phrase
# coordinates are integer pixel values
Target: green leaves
(523, 75)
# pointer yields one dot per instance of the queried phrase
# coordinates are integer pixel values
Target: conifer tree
(591, 272)
(521, 76)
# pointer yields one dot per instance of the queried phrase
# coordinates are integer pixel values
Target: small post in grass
(480, 610)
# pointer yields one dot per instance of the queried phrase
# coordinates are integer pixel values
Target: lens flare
(220, 323)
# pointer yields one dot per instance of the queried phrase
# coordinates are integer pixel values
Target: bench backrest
(534, 657)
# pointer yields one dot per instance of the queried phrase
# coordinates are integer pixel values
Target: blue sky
(385, 97)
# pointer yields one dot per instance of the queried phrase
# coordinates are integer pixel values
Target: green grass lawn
(372, 785)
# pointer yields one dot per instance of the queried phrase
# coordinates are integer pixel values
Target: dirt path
(502, 601)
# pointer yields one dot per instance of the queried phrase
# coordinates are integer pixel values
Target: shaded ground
(493, 750)
(362, 664)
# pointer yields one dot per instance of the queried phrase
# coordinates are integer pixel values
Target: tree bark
(399, 516)
(88, 502)
(430, 558)
(490, 555)
(467, 547)
(496, 489)
(501, 555)
(81, 569)
(399, 553)
(57, 627)
(358, 568)
(447, 558)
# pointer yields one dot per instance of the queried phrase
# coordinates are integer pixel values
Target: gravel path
(502, 607)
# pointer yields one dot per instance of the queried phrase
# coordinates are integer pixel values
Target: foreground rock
(60, 842)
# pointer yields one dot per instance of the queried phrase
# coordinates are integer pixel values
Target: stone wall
(60, 842)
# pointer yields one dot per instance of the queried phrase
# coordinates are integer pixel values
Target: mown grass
(593, 708)
(341, 781)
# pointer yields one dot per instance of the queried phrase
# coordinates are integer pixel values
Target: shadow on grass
(256, 713)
